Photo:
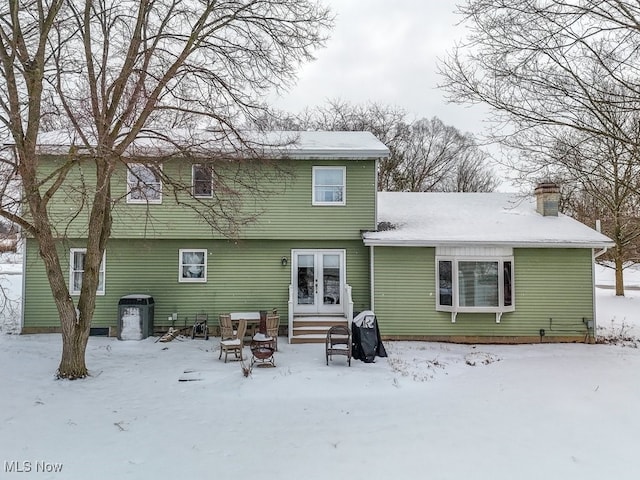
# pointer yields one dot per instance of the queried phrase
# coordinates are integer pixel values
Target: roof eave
(303, 154)
(465, 243)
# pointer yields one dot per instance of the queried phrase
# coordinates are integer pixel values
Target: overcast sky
(386, 51)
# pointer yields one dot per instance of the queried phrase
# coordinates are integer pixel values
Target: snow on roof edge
(300, 145)
(464, 219)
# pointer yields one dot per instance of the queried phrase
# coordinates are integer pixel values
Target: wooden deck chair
(226, 327)
(234, 344)
(338, 342)
(273, 325)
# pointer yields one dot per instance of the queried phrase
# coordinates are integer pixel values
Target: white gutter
(489, 243)
(373, 278)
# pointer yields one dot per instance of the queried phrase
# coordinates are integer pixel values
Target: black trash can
(135, 317)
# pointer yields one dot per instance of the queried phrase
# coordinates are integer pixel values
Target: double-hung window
(202, 181)
(468, 282)
(144, 184)
(193, 265)
(329, 185)
(76, 271)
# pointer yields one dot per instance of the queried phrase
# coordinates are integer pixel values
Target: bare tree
(542, 64)
(115, 72)
(426, 155)
(563, 81)
(600, 178)
(437, 157)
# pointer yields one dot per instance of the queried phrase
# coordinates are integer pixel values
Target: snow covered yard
(429, 410)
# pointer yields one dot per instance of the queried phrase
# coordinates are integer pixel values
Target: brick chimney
(547, 199)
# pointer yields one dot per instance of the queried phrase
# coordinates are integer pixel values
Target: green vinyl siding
(242, 276)
(281, 208)
(553, 291)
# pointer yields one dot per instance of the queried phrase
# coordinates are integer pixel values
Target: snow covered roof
(316, 144)
(459, 219)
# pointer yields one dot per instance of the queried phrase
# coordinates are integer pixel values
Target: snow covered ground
(429, 410)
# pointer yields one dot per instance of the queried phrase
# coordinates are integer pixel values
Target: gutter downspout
(593, 293)
(373, 277)
(371, 247)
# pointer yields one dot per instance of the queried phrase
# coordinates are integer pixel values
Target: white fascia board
(425, 243)
(333, 154)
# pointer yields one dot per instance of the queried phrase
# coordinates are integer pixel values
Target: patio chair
(338, 342)
(273, 325)
(226, 327)
(234, 344)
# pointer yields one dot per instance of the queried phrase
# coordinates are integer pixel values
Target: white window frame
(133, 183)
(72, 271)
(181, 265)
(315, 201)
(193, 180)
(456, 308)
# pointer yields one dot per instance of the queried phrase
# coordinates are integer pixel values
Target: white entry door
(318, 280)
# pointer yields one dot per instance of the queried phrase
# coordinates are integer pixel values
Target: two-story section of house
(298, 247)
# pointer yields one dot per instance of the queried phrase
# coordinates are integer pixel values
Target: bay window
(474, 284)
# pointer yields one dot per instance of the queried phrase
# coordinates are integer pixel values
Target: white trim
(319, 307)
(315, 202)
(455, 299)
(143, 201)
(476, 251)
(372, 274)
(459, 243)
(593, 293)
(181, 278)
(24, 281)
(102, 272)
(193, 180)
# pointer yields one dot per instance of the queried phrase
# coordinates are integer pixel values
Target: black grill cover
(366, 341)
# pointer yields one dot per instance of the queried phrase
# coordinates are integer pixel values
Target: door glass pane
(331, 279)
(306, 275)
(478, 284)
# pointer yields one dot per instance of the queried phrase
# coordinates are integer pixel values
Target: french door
(318, 280)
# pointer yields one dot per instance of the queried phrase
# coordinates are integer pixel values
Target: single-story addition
(482, 268)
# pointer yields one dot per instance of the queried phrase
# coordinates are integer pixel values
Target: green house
(318, 243)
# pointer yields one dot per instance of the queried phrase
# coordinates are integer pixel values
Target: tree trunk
(75, 330)
(74, 345)
(619, 276)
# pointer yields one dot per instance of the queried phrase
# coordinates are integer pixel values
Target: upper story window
(193, 265)
(144, 184)
(202, 181)
(329, 185)
(475, 283)
(76, 271)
